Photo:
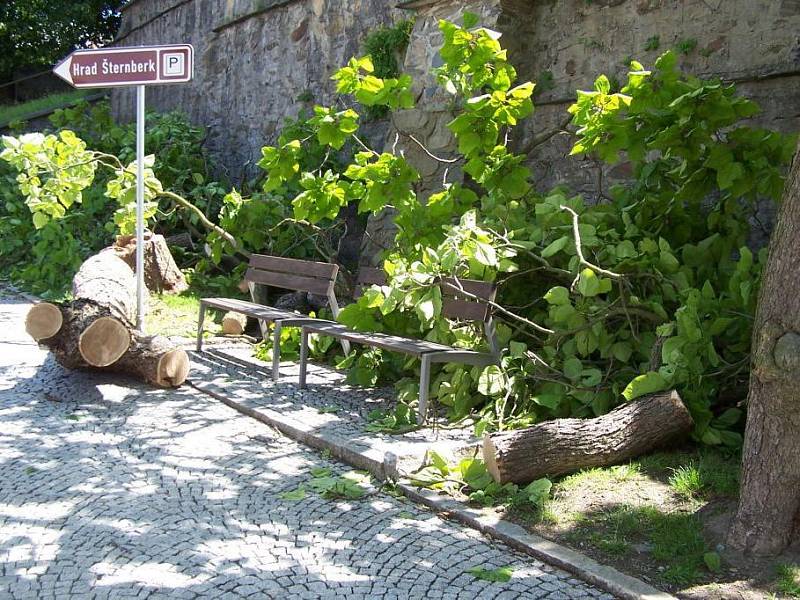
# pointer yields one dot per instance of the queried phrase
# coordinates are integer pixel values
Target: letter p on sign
(174, 63)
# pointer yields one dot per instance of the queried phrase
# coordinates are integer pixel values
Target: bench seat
(252, 309)
(377, 340)
(283, 273)
(461, 299)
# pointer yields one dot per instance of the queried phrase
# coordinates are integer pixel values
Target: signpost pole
(140, 207)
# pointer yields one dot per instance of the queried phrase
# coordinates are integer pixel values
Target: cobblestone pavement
(114, 490)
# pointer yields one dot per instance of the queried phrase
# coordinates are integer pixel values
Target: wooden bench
(455, 305)
(287, 273)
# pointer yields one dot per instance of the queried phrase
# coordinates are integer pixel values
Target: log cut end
(173, 368)
(44, 320)
(490, 458)
(233, 323)
(104, 341)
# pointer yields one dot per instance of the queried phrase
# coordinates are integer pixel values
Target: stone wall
(565, 44)
(254, 59)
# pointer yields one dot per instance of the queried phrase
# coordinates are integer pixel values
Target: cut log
(96, 331)
(43, 321)
(106, 280)
(161, 274)
(155, 360)
(565, 445)
(233, 323)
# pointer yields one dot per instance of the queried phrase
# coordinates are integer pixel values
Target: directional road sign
(139, 65)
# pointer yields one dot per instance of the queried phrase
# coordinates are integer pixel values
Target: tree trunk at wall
(565, 445)
(768, 516)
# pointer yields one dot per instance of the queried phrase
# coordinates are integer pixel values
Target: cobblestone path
(113, 490)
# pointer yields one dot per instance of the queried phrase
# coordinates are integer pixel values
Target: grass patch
(674, 540)
(686, 481)
(20, 112)
(789, 580)
(176, 315)
(704, 474)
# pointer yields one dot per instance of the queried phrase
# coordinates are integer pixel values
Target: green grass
(674, 539)
(789, 580)
(173, 315)
(20, 112)
(704, 474)
(686, 481)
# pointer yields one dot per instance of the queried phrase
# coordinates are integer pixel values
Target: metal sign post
(138, 66)
(140, 207)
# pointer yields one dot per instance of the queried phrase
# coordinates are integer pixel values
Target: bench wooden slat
(456, 305)
(250, 309)
(377, 340)
(294, 266)
(467, 310)
(289, 281)
(481, 289)
(368, 276)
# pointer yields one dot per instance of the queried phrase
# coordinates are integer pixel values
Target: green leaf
(499, 575)
(558, 295)
(469, 19)
(588, 283)
(555, 247)
(622, 351)
(294, 495)
(537, 492)
(492, 381)
(647, 383)
(713, 561)
(40, 219)
(485, 254)
(573, 367)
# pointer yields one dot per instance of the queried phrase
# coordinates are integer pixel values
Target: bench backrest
(467, 299)
(292, 274)
(368, 276)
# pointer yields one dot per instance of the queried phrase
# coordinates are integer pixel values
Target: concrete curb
(380, 466)
(385, 467)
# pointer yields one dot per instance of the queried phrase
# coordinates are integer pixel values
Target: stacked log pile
(96, 329)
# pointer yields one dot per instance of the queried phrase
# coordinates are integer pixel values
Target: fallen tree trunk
(564, 445)
(96, 330)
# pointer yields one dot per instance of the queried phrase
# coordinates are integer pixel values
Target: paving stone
(113, 489)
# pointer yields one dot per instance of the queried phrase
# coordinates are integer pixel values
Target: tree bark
(768, 515)
(564, 445)
(161, 274)
(96, 331)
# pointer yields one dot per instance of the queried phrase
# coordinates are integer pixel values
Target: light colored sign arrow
(140, 65)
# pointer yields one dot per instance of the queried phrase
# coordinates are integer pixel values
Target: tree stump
(564, 445)
(161, 274)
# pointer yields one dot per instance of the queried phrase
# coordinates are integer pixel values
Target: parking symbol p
(173, 63)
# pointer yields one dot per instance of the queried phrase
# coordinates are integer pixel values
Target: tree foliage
(37, 33)
(646, 285)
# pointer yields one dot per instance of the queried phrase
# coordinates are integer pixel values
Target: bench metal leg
(276, 351)
(424, 384)
(200, 320)
(303, 357)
